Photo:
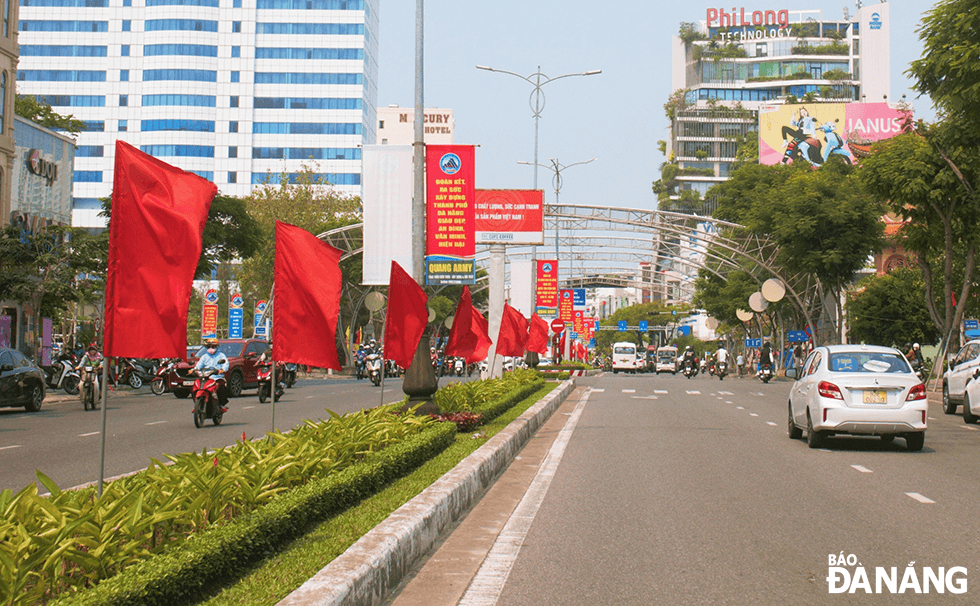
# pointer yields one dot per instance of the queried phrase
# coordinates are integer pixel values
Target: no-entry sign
(557, 325)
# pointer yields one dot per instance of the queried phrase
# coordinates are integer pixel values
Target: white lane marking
(487, 585)
(694, 393)
(758, 394)
(726, 393)
(861, 468)
(629, 391)
(739, 408)
(752, 414)
(598, 390)
(155, 423)
(9, 447)
(659, 391)
(247, 407)
(932, 418)
(85, 435)
(728, 401)
(644, 397)
(771, 423)
(310, 397)
(918, 497)
(824, 450)
(969, 427)
(719, 398)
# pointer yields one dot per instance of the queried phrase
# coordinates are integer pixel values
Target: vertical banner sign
(579, 298)
(236, 316)
(386, 197)
(547, 295)
(565, 305)
(450, 202)
(578, 324)
(258, 330)
(209, 315)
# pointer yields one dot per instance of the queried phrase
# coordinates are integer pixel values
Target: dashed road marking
(85, 435)
(932, 418)
(771, 423)
(645, 397)
(918, 497)
(155, 423)
(9, 447)
(752, 414)
(247, 407)
(861, 468)
(659, 391)
(728, 401)
(758, 394)
(739, 408)
(629, 391)
(694, 393)
(970, 427)
(726, 393)
(598, 390)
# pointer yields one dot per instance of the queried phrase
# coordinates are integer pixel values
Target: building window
(123, 126)
(855, 46)
(127, 25)
(124, 75)
(236, 4)
(233, 177)
(762, 50)
(124, 50)
(6, 18)
(123, 100)
(236, 51)
(232, 152)
(233, 101)
(381, 124)
(235, 77)
(233, 126)
(127, 2)
(3, 102)
(236, 27)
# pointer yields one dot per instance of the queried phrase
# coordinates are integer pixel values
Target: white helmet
(915, 346)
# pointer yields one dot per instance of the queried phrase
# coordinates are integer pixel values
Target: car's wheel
(888, 438)
(795, 433)
(948, 406)
(236, 383)
(181, 393)
(37, 398)
(134, 381)
(915, 441)
(71, 385)
(968, 417)
(814, 439)
(199, 405)
(158, 386)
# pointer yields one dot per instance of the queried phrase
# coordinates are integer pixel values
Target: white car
(961, 370)
(857, 390)
(971, 400)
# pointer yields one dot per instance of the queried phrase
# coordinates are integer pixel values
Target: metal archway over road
(606, 246)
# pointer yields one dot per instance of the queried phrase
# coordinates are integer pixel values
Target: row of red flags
(155, 239)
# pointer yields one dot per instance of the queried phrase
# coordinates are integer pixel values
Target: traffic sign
(643, 325)
(971, 324)
(622, 326)
(753, 342)
(797, 336)
(557, 325)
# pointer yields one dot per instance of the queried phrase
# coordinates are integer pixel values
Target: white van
(667, 360)
(624, 357)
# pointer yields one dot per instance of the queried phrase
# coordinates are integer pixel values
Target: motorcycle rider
(212, 358)
(93, 358)
(689, 359)
(765, 356)
(914, 356)
(721, 356)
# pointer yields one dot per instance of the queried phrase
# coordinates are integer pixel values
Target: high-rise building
(233, 90)
(8, 65)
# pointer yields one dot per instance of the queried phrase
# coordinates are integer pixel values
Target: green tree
(27, 106)
(890, 310)
(722, 298)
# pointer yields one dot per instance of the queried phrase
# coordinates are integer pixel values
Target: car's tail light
(829, 390)
(916, 393)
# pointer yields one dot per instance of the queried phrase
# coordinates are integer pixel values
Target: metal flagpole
(383, 362)
(272, 359)
(104, 398)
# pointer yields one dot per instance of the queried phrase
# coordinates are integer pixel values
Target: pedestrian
(740, 363)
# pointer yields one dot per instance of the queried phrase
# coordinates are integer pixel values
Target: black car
(21, 383)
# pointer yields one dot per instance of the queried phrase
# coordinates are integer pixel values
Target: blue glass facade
(64, 26)
(178, 100)
(189, 25)
(60, 75)
(201, 126)
(306, 103)
(39, 50)
(307, 153)
(188, 75)
(190, 50)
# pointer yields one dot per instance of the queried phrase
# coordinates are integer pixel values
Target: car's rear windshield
(866, 361)
(232, 350)
(625, 350)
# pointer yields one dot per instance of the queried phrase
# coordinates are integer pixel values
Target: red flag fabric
(513, 333)
(407, 317)
(468, 337)
(155, 239)
(537, 339)
(306, 299)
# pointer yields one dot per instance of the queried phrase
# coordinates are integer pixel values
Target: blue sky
(616, 116)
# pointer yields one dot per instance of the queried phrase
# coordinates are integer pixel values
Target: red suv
(243, 356)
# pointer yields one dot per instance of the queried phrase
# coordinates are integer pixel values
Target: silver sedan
(857, 390)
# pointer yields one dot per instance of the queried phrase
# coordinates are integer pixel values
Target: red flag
(513, 333)
(537, 340)
(306, 296)
(468, 337)
(407, 317)
(155, 239)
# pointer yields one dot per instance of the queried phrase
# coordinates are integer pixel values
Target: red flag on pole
(468, 337)
(537, 339)
(513, 333)
(406, 318)
(306, 298)
(155, 240)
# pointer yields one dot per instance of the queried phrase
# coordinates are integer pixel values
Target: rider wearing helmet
(212, 358)
(914, 356)
(688, 359)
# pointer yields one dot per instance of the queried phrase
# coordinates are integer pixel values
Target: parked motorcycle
(62, 375)
(206, 402)
(160, 383)
(721, 369)
(133, 372)
(264, 376)
(765, 373)
(459, 366)
(289, 374)
(87, 391)
(373, 364)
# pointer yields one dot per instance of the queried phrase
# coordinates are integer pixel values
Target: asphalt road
(62, 440)
(677, 491)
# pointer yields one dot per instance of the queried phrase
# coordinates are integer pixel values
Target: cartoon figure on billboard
(802, 142)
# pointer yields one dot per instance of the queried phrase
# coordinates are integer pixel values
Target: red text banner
(509, 216)
(547, 289)
(566, 305)
(450, 200)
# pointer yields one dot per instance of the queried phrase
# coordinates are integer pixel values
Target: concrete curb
(374, 565)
